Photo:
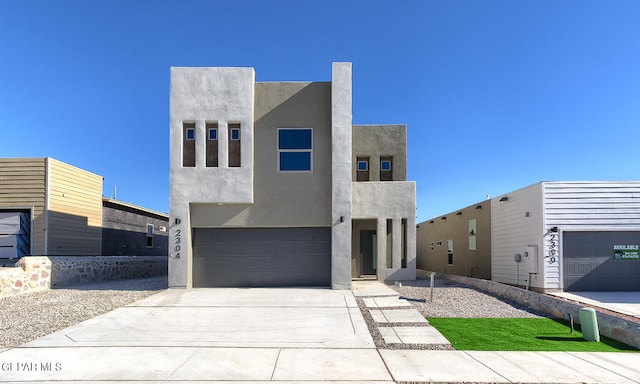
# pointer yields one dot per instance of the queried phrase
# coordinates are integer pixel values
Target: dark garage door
(261, 257)
(589, 264)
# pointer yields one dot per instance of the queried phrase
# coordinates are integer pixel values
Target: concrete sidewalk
(627, 303)
(271, 335)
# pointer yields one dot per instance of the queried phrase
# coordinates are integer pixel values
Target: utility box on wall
(531, 259)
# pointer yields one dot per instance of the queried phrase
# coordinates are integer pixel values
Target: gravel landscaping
(452, 299)
(27, 317)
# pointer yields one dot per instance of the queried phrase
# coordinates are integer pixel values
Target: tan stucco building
(272, 185)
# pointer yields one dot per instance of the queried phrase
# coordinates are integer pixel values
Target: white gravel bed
(452, 299)
(27, 317)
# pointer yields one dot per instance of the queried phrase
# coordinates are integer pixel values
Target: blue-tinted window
(295, 148)
(385, 165)
(295, 161)
(294, 139)
(213, 134)
(362, 165)
(191, 134)
(235, 134)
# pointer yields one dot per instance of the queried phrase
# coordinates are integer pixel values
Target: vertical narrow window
(212, 144)
(234, 144)
(403, 231)
(362, 169)
(389, 243)
(188, 144)
(386, 168)
(149, 235)
(295, 149)
(450, 252)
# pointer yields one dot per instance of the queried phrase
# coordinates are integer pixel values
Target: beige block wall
(454, 226)
(75, 210)
(22, 186)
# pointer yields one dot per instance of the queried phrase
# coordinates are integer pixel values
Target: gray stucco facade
(291, 197)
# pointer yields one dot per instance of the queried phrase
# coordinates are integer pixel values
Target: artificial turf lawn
(522, 334)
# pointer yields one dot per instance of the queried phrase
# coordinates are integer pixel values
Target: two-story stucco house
(272, 185)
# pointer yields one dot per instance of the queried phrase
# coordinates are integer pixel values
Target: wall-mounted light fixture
(554, 229)
(505, 198)
(342, 219)
(527, 214)
(178, 221)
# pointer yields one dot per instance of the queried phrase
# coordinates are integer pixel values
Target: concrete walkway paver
(397, 316)
(412, 335)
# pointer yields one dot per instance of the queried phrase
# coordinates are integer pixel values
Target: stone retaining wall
(67, 271)
(29, 275)
(34, 273)
(613, 327)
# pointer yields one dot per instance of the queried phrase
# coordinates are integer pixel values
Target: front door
(368, 256)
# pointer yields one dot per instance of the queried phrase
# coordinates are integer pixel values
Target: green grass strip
(522, 334)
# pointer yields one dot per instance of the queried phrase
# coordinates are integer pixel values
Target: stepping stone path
(398, 323)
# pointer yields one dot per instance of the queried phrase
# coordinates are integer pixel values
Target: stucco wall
(389, 200)
(341, 163)
(374, 141)
(199, 95)
(283, 199)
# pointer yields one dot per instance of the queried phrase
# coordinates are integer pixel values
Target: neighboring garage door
(589, 263)
(261, 257)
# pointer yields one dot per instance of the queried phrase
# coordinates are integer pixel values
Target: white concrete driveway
(274, 335)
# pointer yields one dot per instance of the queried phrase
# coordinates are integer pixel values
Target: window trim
(382, 167)
(305, 150)
(209, 131)
(190, 130)
(366, 165)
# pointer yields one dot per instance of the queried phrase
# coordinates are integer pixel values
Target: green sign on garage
(625, 252)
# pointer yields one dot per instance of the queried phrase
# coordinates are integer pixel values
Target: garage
(261, 257)
(601, 261)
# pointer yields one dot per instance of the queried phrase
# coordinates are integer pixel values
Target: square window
(235, 134)
(385, 165)
(295, 148)
(213, 134)
(363, 165)
(191, 134)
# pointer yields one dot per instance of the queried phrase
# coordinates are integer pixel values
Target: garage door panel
(589, 264)
(257, 257)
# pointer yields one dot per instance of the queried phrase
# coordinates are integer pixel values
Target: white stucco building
(272, 185)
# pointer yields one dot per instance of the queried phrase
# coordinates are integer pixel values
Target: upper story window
(213, 134)
(362, 169)
(212, 143)
(295, 149)
(386, 168)
(234, 145)
(188, 144)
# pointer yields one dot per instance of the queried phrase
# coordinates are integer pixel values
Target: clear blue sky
(497, 95)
